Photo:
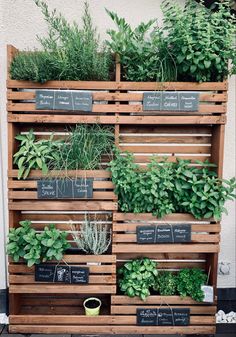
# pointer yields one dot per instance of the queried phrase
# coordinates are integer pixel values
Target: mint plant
(165, 283)
(137, 277)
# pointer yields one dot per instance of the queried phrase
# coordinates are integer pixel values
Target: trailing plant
(34, 154)
(83, 148)
(143, 51)
(70, 52)
(137, 277)
(24, 242)
(201, 40)
(189, 282)
(165, 283)
(165, 187)
(92, 238)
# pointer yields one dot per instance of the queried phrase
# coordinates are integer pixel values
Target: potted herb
(165, 283)
(24, 242)
(92, 306)
(137, 277)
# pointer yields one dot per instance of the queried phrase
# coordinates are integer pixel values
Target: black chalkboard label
(182, 233)
(181, 316)
(44, 99)
(62, 274)
(189, 101)
(83, 188)
(47, 189)
(146, 234)
(70, 100)
(63, 100)
(82, 100)
(152, 100)
(65, 188)
(79, 275)
(165, 317)
(146, 317)
(170, 101)
(164, 234)
(44, 273)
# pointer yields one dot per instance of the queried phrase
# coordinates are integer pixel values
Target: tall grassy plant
(70, 52)
(84, 147)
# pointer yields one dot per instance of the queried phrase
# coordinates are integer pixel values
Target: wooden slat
(53, 174)
(166, 149)
(33, 195)
(154, 300)
(117, 96)
(166, 248)
(30, 279)
(165, 139)
(130, 226)
(63, 205)
(74, 119)
(149, 217)
(106, 85)
(32, 184)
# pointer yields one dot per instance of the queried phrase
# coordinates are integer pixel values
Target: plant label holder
(163, 317)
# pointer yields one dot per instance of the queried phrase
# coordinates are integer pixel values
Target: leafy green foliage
(165, 283)
(137, 277)
(143, 51)
(70, 52)
(34, 154)
(189, 282)
(83, 148)
(92, 238)
(165, 187)
(200, 40)
(24, 242)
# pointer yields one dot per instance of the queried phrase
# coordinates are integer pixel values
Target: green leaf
(207, 64)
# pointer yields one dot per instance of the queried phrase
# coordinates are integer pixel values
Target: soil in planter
(92, 304)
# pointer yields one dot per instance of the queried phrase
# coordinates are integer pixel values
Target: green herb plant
(24, 242)
(83, 148)
(137, 277)
(189, 282)
(92, 238)
(201, 40)
(69, 52)
(34, 154)
(165, 187)
(165, 283)
(143, 51)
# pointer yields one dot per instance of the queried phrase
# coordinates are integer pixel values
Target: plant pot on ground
(92, 306)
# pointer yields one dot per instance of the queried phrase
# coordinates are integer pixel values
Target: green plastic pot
(92, 311)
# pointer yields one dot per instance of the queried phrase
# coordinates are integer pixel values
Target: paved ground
(4, 333)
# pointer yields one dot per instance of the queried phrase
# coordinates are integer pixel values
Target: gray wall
(21, 21)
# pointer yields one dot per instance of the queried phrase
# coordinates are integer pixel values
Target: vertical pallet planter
(198, 135)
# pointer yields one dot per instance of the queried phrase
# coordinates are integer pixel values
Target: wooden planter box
(205, 234)
(202, 315)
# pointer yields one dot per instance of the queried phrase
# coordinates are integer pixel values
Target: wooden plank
(166, 139)
(179, 217)
(74, 173)
(166, 248)
(154, 300)
(129, 226)
(63, 205)
(109, 85)
(124, 108)
(33, 195)
(117, 96)
(30, 279)
(32, 184)
(74, 119)
(94, 329)
(217, 157)
(166, 149)
(61, 289)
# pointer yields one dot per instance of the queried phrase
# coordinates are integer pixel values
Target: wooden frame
(50, 308)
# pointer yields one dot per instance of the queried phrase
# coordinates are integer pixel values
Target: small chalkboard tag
(64, 188)
(152, 100)
(44, 273)
(62, 274)
(44, 99)
(164, 234)
(182, 233)
(208, 293)
(82, 100)
(181, 316)
(189, 101)
(146, 316)
(170, 101)
(79, 275)
(47, 189)
(63, 100)
(83, 188)
(146, 234)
